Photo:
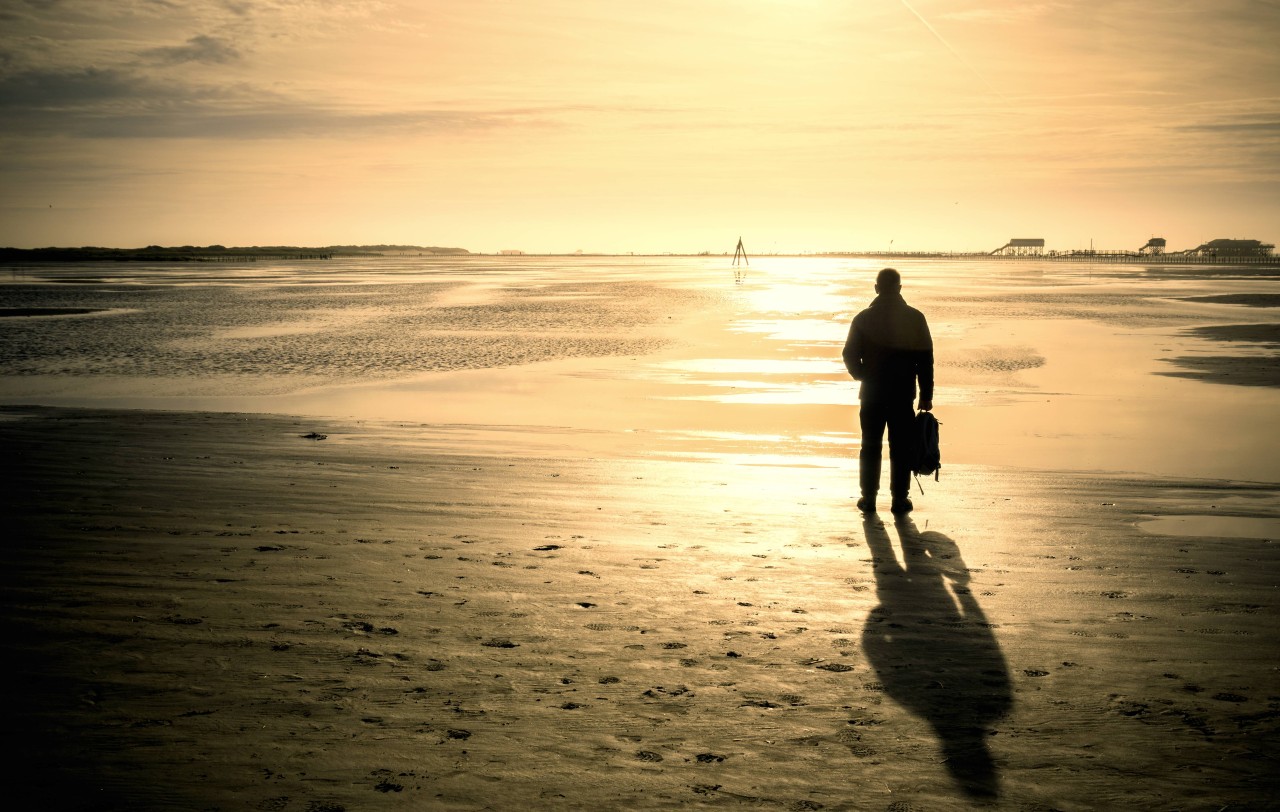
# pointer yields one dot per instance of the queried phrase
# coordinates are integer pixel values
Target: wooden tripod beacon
(740, 252)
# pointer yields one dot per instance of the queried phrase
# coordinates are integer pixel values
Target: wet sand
(1058, 366)
(583, 537)
(212, 611)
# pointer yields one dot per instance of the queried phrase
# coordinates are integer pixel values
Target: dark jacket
(888, 349)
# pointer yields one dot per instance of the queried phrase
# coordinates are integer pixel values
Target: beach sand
(583, 536)
(215, 612)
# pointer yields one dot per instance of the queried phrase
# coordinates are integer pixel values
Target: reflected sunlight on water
(750, 438)
(1243, 527)
(761, 366)
(764, 392)
(1041, 363)
(771, 294)
(813, 331)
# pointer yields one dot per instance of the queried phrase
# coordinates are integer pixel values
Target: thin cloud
(1233, 126)
(57, 89)
(202, 48)
(1001, 15)
(119, 103)
(289, 122)
(140, 102)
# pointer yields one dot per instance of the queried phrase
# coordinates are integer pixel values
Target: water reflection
(654, 343)
(933, 649)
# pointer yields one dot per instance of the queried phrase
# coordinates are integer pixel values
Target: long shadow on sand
(934, 650)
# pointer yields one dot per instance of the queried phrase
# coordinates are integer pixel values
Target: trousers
(899, 417)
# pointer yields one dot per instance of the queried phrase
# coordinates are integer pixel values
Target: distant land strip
(213, 253)
(220, 253)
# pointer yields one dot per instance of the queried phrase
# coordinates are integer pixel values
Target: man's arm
(853, 352)
(924, 367)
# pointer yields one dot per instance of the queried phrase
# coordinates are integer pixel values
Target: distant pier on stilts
(1021, 247)
(1155, 247)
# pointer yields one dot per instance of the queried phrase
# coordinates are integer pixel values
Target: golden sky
(639, 125)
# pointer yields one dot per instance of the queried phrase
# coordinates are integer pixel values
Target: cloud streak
(203, 49)
(122, 103)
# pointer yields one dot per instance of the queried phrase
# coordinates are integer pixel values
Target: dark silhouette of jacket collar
(888, 300)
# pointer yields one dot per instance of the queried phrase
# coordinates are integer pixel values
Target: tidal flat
(464, 533)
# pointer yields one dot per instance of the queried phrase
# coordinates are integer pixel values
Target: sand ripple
(340, 332)
(996, 359)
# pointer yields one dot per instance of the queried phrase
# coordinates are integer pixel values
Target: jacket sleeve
(924, 364)
(853, 351)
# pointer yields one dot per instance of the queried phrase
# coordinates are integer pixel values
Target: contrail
(953, 51)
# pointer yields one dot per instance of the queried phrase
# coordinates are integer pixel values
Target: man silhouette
(889, 348)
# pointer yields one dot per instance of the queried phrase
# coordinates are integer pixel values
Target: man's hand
(926, 405)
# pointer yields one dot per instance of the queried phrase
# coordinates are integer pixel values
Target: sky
(639, 125)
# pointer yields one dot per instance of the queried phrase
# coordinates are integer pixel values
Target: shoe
(902, 506)
(867, 504)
